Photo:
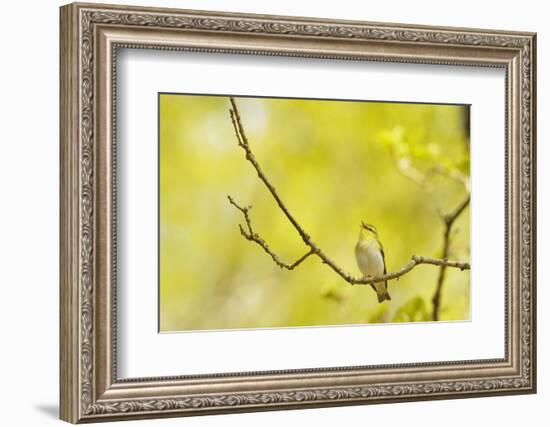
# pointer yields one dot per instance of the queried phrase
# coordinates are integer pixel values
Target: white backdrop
(29, 215)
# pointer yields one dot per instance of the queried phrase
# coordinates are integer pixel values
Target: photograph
(284, 212)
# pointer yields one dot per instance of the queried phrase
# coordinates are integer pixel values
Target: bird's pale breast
(369, 258)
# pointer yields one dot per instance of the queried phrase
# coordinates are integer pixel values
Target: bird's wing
(383, 259)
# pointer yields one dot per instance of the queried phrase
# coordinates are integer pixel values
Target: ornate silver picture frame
(91, 390)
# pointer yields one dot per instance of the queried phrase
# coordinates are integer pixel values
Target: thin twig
(249, 234)
(449, 219)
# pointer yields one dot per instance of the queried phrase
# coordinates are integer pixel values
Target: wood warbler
(369, 254)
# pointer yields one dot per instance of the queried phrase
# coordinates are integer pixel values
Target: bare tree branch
(248, 232)
(448, 221)
(405, 167)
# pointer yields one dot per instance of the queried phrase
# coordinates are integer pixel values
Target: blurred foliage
(334, 163)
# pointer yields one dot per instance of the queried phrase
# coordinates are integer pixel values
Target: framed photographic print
(265, 212)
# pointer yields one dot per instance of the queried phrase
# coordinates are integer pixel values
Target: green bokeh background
(334, 163)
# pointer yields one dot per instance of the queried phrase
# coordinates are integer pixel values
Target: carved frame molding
(90, 37)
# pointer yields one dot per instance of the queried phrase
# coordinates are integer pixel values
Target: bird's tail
(383, 294)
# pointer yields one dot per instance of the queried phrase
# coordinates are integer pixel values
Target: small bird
(369, 254)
